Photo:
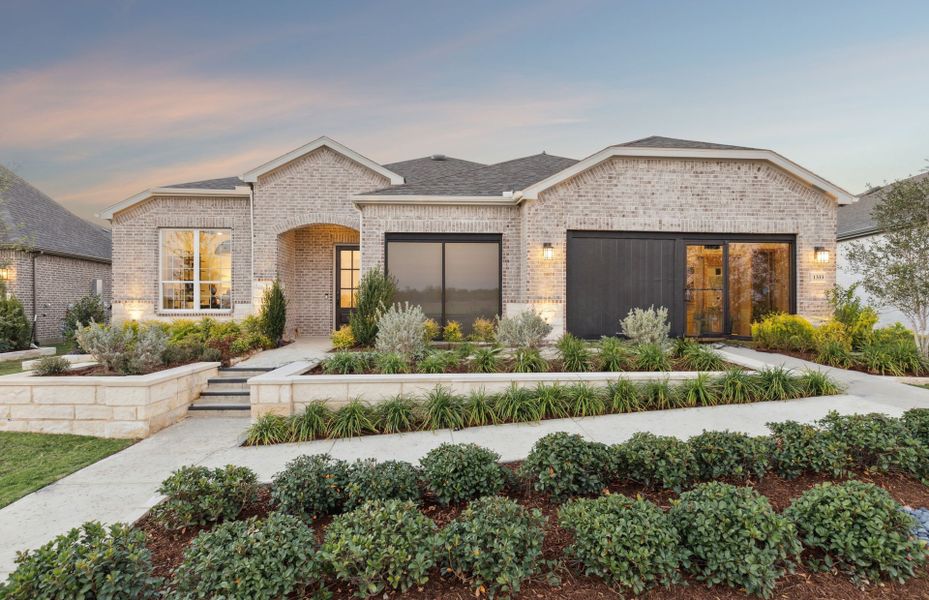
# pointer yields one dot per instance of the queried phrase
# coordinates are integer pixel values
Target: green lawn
(30, 461)
(16, 366)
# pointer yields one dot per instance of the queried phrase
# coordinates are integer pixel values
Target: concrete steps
(227, 394)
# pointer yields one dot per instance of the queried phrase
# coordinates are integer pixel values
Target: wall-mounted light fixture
(6, 273)
(821, 254)
(547, 251)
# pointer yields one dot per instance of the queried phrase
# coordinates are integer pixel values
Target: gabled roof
(319, 142)
(223, 183)
(31, 219)
(430, 167)
(659, 147)
(855, 220)
(489, 181)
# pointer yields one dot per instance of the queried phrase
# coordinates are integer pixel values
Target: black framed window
(453, 277)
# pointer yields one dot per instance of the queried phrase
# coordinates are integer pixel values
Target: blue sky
(99, 100)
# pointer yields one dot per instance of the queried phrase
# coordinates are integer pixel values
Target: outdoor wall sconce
(821, 254)
(6, 273)
(547, 251)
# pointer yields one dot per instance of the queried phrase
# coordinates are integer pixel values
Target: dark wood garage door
(609, 273)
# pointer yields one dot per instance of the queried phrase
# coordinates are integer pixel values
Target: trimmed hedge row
(440, 409)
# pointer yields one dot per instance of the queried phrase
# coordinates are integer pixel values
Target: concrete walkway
(303, 348)
(123, 486)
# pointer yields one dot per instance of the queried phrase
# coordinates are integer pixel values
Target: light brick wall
(136, 250)
(711, 196)
(60, 281)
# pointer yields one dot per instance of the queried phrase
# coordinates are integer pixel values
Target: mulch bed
(168, 547)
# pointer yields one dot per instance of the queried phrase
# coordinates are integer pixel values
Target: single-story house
(718, 234)
(49, 257)
(855, 224)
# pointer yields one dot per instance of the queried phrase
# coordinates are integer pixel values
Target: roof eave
(253, 175)
(108, 212)
(840, 195)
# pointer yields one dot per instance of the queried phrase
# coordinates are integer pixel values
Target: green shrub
(650, 357)
(624, 396)
(657, 395)
(880, 359)
(529, 360)
(431, 330)
(917, 421)
(90, 561)
(352, 419)
(698, 357)
(777, 383)
(442, 409)
(310, 486)
(388, 480)
(798, 448)
(781, 331)
(517, 405)
(400, 330)
(834, 354)
(738, 387)
(396, 415)
(857, 528)
(88, 309)
(877, 442)
(614, 355)
(479, 409)
(268, 429)
(526, 329)
(817, 383)
(487, 360)
(15, 331)
(342, 338)
(345, 362)
(726, 454)
(646, 326)
(391, 363)
(460, 472)
(627, 543)
(564, 465)
(435, 362)
(127, 350)
(553, 401)
(575, 354)
(656, 461)
(312, 423)
(452, 332)
(493, 546)
(273, 314)
(849, 310)
(260, 559)
(381, 546)
(698, 391)
(482, 330)
(585, 400)
(732, 536)
(197, 495)
(375, 294)
(51, 365)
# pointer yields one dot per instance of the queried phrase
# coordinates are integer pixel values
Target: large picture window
(196, 270)
(452, 277)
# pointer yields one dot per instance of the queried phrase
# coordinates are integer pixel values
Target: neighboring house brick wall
(136, 250)
(712, 196)
(887, 315)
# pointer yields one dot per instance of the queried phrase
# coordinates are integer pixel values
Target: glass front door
(704, 290)
(348, 272)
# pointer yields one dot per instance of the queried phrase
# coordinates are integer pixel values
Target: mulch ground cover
(168, 547)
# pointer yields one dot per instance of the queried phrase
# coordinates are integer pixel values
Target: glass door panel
(759, 282)
(704, 290)
(348, 269)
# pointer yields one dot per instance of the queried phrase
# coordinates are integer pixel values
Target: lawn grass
(16, 366)
(30, 461)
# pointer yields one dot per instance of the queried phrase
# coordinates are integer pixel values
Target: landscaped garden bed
(814, 511)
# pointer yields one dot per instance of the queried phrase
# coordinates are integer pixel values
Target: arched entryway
(319, 266)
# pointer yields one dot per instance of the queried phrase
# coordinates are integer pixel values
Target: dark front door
(347, 274)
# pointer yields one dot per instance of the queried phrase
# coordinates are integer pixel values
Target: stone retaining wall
(116, 406)
(286, 391)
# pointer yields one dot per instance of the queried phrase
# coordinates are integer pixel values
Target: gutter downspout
(251, 235)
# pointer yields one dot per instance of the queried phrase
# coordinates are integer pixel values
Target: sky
(101, 100)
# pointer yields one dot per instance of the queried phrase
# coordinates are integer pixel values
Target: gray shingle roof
(855, 220)
(657, 141)
(430, 167)
(491, 180)
(223, 183)
(30, 218)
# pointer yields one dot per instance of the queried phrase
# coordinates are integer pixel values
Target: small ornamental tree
(375, 294)
(85, 311)
(895, 271)
(274, 312)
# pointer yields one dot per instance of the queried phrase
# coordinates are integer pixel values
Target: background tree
(894, 269)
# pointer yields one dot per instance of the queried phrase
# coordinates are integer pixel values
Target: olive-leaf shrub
(310, 486)
(858, 528)
(732, 536)
(388, 480)
(646, 326)
(459, 472)
(493, 546)
(628, 543)
(381, 546)
(656, 461)
(798, 447)
(51, 365)
(400, 331)
(197, 495)
(878, 442)
(260, 559)
(526, 329)
(565, 464)
(729, 454)
(90, 561)
(124, 350)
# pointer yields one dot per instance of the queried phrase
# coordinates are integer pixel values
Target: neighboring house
(855, 224)
(719, 234)
(50, 257)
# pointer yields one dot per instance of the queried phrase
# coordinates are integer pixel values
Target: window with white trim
(196, 270)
